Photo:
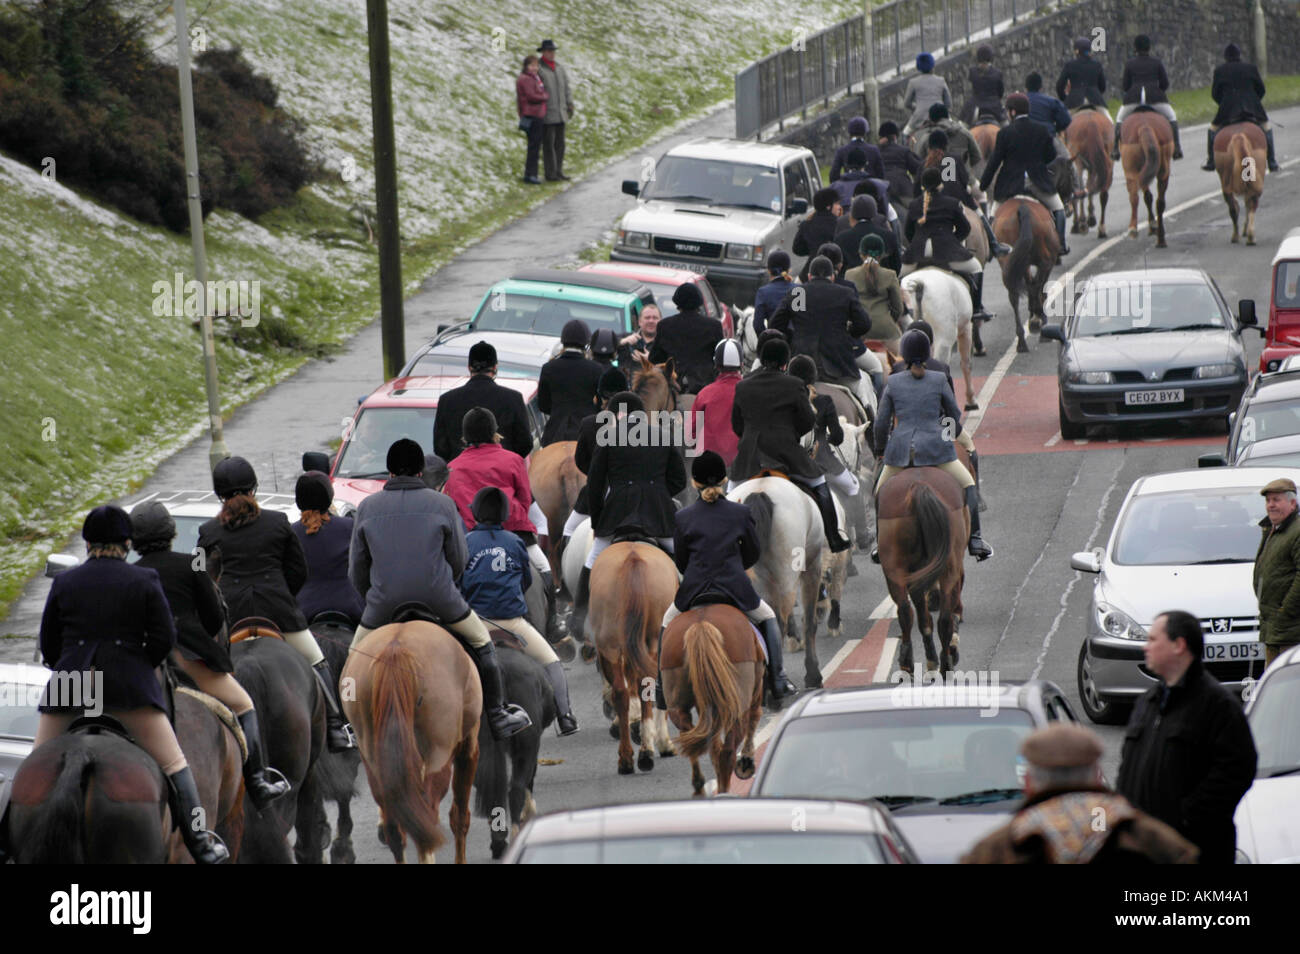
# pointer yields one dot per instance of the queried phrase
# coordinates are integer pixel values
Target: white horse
(745, 334)
(943, 300)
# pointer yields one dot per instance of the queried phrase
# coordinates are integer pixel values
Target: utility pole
(392, 323)
(870, 88)
(1261, 40)
(218, 450)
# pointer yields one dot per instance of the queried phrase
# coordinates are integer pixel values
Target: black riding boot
(503, 718)
(264, 784)
(778, 682)
(338, 734)
(1272, 158)
(206, 847)
(5, 849)
(997, 248)
(580, 600)
(976, 283)
(830, 520)
(1178, 142)
(1059, 219)
(977, 547)
(564, 718)
(1114, 149)
(661, 703)
(975, 466)
(1209, 150)
(553, 630)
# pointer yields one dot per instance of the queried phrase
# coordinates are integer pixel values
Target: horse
(745, 334)
(205, 730)
(1147, 150)
(1240, 159)
(712, 663)
(923, 529)
(1026, 225)
(632, 584)
(336, 772)
(985, 133)
(942, 299)
(556, 482)
(1089, 138)
(415, 705)
(854, 451)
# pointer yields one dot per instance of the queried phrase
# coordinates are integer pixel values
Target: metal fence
(823, 65)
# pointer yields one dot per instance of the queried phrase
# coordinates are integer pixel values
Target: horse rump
(713, 683)
(933, 536)
(640, 622)
(1150, 157)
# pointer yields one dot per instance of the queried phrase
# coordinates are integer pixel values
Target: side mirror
(316, 460)
(1246, 312)
(631, 187)
(1232, 419)
(57, 563)
(797, 207)
(1087, 561)
(1053, 333)
(1211, 460)
(361, 399)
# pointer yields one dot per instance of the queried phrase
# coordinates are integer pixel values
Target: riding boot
(1059, 219)
(554, 632)
(661, 703)
(1272, 158)
(976, 283)
(504, 719)
(564, 718)
(263, 783)
(977, 547)
(1114, 152)
(777, 680)
(206, 847)
(1209, 150)
(975, 466)
(5, 849)
(580, 600)
(1178, 142)
(830, 520)
(338, 734)
(997, 248)
(875, 546)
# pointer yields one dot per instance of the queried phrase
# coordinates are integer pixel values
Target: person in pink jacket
(531, 96)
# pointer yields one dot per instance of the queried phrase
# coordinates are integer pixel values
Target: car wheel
(1069, 431)
(1098, 708)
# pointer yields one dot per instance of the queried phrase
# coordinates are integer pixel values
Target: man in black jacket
(689, 338)
(506, 405)
(1145, 82)
(902, 165)
(1021, 161)
(1082, 80)
(823, 319)
(566, 387)
(1239, 90)
(820, 226)
(1188, 753)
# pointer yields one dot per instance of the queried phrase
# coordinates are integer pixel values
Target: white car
(1268, 828)
(20, 690)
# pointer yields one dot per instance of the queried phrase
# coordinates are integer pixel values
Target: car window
(543, 316)
(454, 366)
(376, 429)
(1267, 419)
(796, 182)
(1286, 285)
(810, 166)
(1207, 526)
(18, 716)
(1110, 308)
(1274, 715)
(772, 848)
(719, 181)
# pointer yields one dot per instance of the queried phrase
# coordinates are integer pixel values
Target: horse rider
(485, 463)
(712, 407)
(859, 129)
(936, 228)
(818, 228)
(771, 414)
(923, 91)
(642, 339)
(1144, 84)
(960, 141)
(714, 542)
(605, 352)
(1023, 154)
(408, 545)
(196, 609)
(1239, 90)
(769, 296)
(689, 338)
(325, 538)
(986, 88)
(924, 406)
(863, 358)
(481, 390)
(862, 222)
(1049, 112)
(630, 485)
(956, 184)
(826, 435)
(611, 384)
(856, 173)
(112, 617)
(566, 386)
(260, 565)
(1082, 80)
(901, 163)
(770, 334)
(877, 284)
(495, 580)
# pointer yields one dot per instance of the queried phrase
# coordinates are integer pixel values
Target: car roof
(645, 273)
(1289, 248)
(705, 816)
(1205, 478)
(891, 696)
(568, 282)
(512, 347)
(738, 150)
(1278, 386)
(1157, 276)
(204, 503)
(1269, 446)
(24, 674)
(424, 390)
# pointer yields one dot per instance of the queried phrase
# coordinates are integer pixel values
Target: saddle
(254, 627)
(635, 535)
(333, 618)
(713, 598)
(1087, 106)
(100, 724)
(985, 119)
(412, 611)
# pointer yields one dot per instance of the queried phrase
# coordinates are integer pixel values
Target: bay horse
(1026, 225)
(336, 772)
(556, 482)
(217, 763)
(1147, 151)
(1240, 159)
(985, 134)
(712, 663)
(1089, 138)
(943, 300)
(632, 584)
(923, 532)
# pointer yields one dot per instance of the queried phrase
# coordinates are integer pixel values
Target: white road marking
(1053, 440)
(886, 660)
(885, 610)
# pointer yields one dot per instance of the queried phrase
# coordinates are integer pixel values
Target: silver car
(1268, 829)
(20, 690)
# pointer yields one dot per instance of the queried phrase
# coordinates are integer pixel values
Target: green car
(541, 301)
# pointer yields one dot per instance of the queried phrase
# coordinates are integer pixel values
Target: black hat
(766, 335)
(859, 127)
(626, 401)
(314, 491)
(482, 356)
(709, 469)
(984, 54)
(938, 111)
(234, 475)
(863, 209)
(490, 505)
(774, 353)
(151, 523)
(604, 342)
(1033, 83)
(804, 368)
(889, 128)
(938, 139)
(1142, 43)
(778, 261)
(612, 382)
(857, 158)
(479, 426)
(833, 252)
(1232, 52)
(405, 458)
(821, 267)
(106, 524)
(575, 334)
(547, 45)
(924, 327)
(1018, 103)
(1082, 44)
(931, 179)
(915, 348)
(823, 199)
(871, 244)
(688, 296)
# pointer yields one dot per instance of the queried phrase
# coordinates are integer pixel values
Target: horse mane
(713, 683)
(934, 537)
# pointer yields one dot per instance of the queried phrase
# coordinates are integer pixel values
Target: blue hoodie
(496, 574)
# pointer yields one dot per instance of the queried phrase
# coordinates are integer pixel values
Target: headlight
(746, 253)
(1115, 622)
(1090, 377)
(634, 239)
(1215, 371)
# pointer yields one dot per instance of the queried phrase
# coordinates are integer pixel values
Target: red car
(663, 282)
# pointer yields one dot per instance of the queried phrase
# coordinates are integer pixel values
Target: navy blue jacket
(328, 586)
(767, 300)
(111, 616)
(714, 544)
(496, 573)
(1048, 111)
(875, 164)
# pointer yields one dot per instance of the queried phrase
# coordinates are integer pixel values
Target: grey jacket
(560, 97)
(920, 404)
(922, 92)
(408, 544)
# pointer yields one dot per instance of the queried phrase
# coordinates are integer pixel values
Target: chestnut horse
(712, 663)
(415, 705)
(1147, 150)
(1026, 225)
(1240, 159)
(985, 134)
(556, 482)
(1089, 137)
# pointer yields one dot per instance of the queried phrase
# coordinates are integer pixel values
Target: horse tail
(1239, 149)
(761, 506)
(932, 521)
(1150, 157)
(640, 622)
(60, 826)
(713, 683)
(397, 762)
(1019, 260)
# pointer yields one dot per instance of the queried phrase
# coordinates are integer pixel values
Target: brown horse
(985, 135)
(1089, 137)
(556, 482)
(415, 703)
(1027, 226)
(631, 587)
(712, 663)
(1240, 158)
(656, 386)
(1147, 150)
(217, 762)
(923, 531)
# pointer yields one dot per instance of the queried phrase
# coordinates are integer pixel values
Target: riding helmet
(1082, 45)
(688, 296)
(984, 54)
(859, 127)
(1232, 52)
(435, 471)
(405, 458)
(821, 267)
(151, 523)
(863, 208)
(778, 261)
(938, 111)
(924, 62)
(825, 199)
(727, 355)
(931, 179)
(1142, 43)
(233, 475)
(775, 353)
(575, 334)
(603, 343)
(612, 382)
(482, 356)
(833, 252)
(871, 244)
(106, 524)
(479, 426)
(490, 505)
(626, 401)
(888, 128)
(938, 140)
(709, 469)
(804, 368)
(314, 491)
(915, 348)
(1018, 103)
(924, 327)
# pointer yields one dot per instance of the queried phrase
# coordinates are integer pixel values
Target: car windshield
(1273, 719)
(454, 366)
(1117, 308)
(664, 299)
(18, 715)
(900, 755)
(543, 316)
(1286, 287)
(765, 848)
(187, 536)
(1219, 525)
(376, 429)
(1269, 460)
(716, 181)
(1268, 419)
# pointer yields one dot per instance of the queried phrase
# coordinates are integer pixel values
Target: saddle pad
(762, 646)
(504, 637)
(223, 713)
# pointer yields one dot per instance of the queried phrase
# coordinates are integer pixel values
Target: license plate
(1225, 651)
(1166, 396)
(689, 266)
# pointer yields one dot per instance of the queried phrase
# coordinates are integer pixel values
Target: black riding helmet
(151, 523)
(709, 469)
(575, 334)
(804, 368)
(915, 348)
(604, 343)
(932, 179)
(611, 382)
(314, 491)
(490, 505)
(232, 476)
(688, 297)
(479, 426)
(106, 524)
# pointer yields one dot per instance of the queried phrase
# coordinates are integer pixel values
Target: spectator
(559, 109)
(1277, 570)
(817, 228)
(1188, 753)
(531, 97)
(640, 341)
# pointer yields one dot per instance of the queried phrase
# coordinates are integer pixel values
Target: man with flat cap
(1070, 817)
(1277, 570)
(506, 405)
(559, 110)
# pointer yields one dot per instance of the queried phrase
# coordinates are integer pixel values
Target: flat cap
(1062, 746)
(1280, 486)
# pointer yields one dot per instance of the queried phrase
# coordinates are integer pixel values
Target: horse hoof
(625, 768)
(667, 753)
(636, 733)
(645, 761)
(931, 665)
(1132, 233)
(1092, 220)
(953, 655)
(813, 680)
(588, 652)
(613, 730)
(608, 708)
(1021, 347)
(1250, 241)
(979, 353)
(744, 767)
(1101, 233)
(1161, 245)
(972, 405)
